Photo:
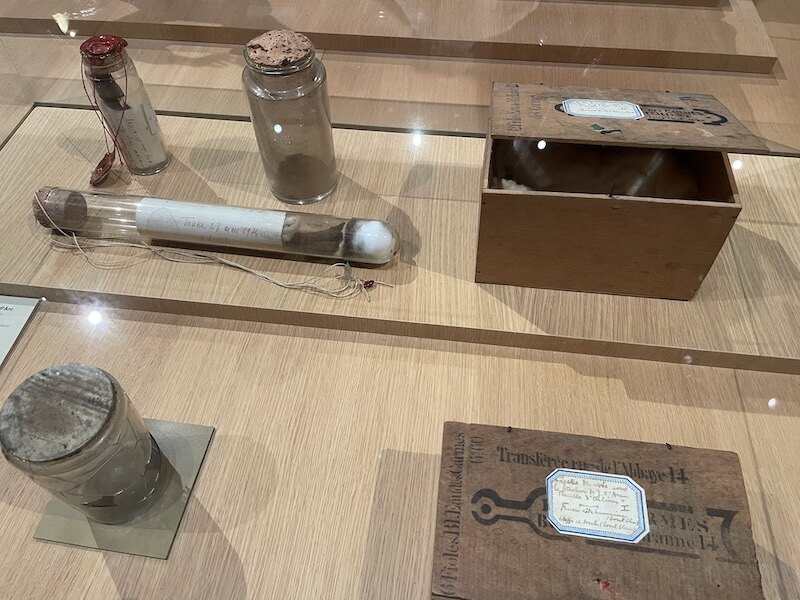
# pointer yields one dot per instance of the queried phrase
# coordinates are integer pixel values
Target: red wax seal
(101, 46)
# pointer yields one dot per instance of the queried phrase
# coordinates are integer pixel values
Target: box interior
(531, 165)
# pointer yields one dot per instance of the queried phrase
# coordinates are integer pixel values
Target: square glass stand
(152, 533)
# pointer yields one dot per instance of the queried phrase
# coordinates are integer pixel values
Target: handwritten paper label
(209, 224)
(597, 505)
(14, 315)
(602, 109)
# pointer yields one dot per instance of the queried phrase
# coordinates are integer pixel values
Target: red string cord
(93, 102)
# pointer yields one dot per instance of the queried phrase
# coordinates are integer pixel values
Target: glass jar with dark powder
(288, 99)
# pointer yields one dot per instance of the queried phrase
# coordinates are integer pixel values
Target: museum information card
(14, 315)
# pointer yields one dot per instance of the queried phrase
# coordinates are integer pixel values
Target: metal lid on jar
(100, 47)
(56, 412)
(279, 52)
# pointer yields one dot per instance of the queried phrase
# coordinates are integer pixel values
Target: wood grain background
(324, 485)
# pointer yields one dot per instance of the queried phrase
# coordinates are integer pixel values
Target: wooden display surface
(730, 37)
(745, 315)
(321, 481)
(705, 3)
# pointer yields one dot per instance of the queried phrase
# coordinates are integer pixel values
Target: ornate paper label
(597, 505)
(602, 109)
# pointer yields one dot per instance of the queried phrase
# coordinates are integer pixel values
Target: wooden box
(618, 191)
(493, 540)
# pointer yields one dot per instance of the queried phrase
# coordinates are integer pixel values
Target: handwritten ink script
(209, 224)
(597, 505)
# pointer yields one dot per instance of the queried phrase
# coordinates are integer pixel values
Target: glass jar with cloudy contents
(72, 429)
(287, 94)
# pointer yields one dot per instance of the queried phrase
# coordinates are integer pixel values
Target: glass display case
(329, 383)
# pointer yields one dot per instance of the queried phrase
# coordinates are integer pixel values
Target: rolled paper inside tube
(111, 216)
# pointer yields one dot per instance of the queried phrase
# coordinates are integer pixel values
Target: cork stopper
(63, 208)
(56, 412)
(280, 50)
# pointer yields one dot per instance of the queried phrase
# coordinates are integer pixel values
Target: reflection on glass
(62, 20)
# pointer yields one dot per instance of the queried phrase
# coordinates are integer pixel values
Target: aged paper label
(602, 109)
(597, 505)
(209, 224)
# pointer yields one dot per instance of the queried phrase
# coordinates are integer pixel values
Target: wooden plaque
(494, 542)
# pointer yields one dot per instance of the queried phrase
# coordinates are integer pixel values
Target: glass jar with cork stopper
(286, 91)
(117, 92)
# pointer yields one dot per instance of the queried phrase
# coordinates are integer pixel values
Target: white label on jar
(209, 224)
(602, 109)
(137, 133)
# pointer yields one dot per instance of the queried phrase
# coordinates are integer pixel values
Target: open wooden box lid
(582, 115)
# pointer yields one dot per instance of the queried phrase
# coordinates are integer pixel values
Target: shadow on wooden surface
(399, 550)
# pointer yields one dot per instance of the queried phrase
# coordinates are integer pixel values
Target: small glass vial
(72, 429)
(119, 94)
(288, 99)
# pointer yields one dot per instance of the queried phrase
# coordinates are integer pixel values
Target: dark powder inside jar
(301, 176)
